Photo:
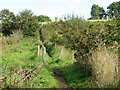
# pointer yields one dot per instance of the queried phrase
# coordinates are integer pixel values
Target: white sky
(54, 8)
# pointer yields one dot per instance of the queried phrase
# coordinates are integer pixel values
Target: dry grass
(104, 64)
(13, 38)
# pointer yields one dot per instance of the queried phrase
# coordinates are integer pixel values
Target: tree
(8, 21)
(27, 22)
(114, 9)
(97, 12)
(56, 18)
(43, 18)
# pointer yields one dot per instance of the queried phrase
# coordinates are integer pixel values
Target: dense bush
(84, 37)
(7, 22)
(27, 22)
(79, 34)
(24, 21)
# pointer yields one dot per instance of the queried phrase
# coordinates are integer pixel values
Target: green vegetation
(25, 21)
(43, 18)
(45, 79)
(23, 56)
(88, 39)
(78, 79)
(97, 12)
(7, 18)
(113, 11)
(75, 53)
(68, 50)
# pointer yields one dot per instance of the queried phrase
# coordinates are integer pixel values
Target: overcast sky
(54, 8)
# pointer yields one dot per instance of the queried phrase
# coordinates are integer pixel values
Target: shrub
(7, 24)
(27, 22)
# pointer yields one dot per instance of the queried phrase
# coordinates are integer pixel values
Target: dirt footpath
(60, 79)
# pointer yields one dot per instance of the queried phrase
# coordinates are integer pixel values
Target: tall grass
(15, 37)
(104, 63)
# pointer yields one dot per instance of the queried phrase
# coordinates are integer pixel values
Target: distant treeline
(25, 21)
(113, 10)
(28, 23)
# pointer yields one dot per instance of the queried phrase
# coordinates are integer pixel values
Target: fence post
(60, 52)
(43, 51)
(44, 55)
(38, 50)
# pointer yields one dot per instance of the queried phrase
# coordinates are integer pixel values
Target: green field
(99, 20)
(44, 23)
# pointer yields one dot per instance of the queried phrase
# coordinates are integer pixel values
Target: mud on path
(58, 75)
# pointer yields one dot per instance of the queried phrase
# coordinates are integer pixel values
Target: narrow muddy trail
(61, 81)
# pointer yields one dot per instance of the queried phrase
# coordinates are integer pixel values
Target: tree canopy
(43, 18)
(27, 22)
(24, 21)
(97, 12)
(7, 19)
(114, 9)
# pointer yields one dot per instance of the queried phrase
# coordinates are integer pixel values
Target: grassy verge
(23, 56)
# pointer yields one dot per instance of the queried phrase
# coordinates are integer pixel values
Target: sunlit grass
(44, 23)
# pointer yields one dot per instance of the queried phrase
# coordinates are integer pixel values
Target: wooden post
(43, 52)
(61, 49)
(38, 50)
(44, 55)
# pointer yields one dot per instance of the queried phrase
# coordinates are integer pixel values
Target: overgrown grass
(56, 62)
(45, 79)
(18, 52)
(75, 77)
(15, 37)
(23, 56)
